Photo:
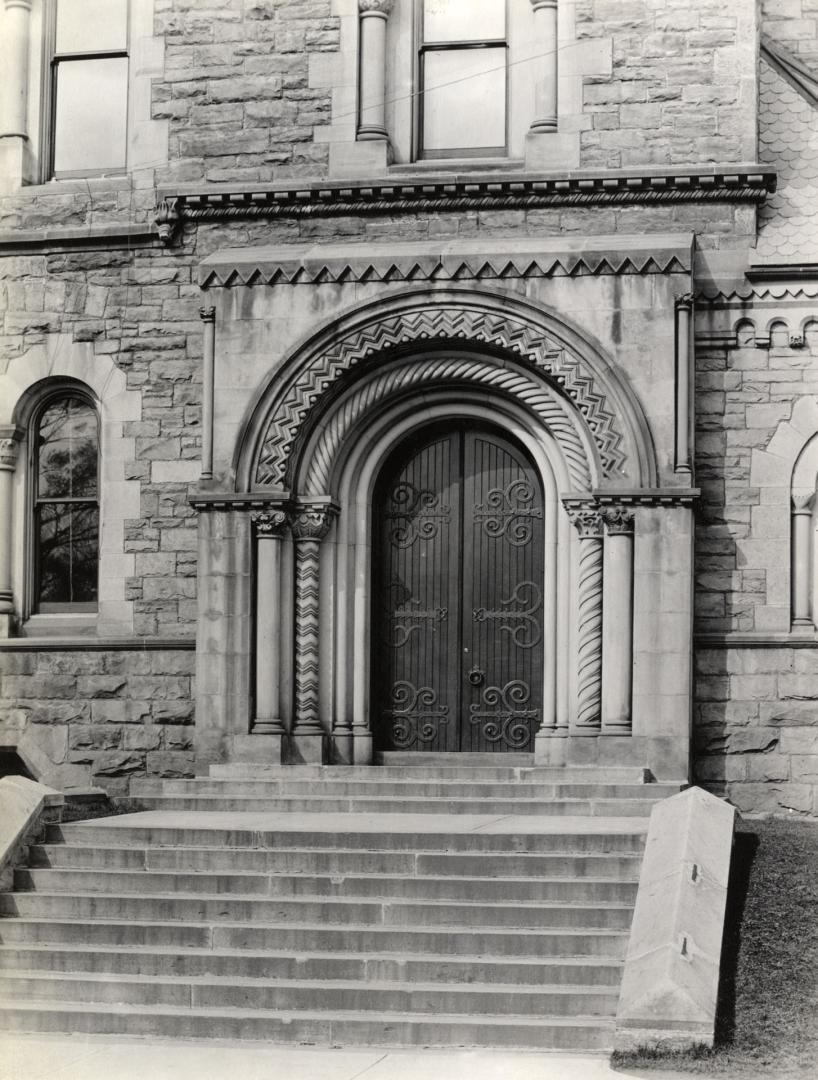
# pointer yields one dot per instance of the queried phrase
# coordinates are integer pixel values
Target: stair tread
(35, 1004)
(173, 951)
(330, 876)
(38, 975)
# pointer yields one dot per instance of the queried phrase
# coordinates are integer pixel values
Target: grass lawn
(768, 1009)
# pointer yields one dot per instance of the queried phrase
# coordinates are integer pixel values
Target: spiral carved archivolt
(539, 398)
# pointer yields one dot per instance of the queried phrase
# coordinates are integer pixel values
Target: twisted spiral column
(588, 523)
(310, 526)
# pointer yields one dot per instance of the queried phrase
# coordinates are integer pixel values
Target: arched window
(65, 527)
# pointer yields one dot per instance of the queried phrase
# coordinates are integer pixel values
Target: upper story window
(87, 129)
(462, 78)
(65, 454)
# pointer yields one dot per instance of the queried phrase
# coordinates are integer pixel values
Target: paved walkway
(78, 1057)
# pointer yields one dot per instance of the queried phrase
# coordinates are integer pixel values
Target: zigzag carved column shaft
(588, 523)
(310, 525)
(270, 528)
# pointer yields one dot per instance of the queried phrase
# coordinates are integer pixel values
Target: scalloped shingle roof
(788, 140)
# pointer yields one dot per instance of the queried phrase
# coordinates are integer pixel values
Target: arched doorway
(458, 591)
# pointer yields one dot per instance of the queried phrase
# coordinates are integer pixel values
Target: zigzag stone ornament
(309, 526)
(445, 324)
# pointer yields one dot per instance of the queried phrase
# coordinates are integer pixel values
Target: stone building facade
(303, 260)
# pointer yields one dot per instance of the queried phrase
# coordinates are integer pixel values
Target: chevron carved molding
(458, 327)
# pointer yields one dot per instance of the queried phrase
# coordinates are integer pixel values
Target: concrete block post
(545, 36)
(372, 121)
(801, 575)
(8, 462)
(671, 977)
(617, 623)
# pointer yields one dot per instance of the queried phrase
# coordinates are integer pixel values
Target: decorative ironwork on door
(458, 610)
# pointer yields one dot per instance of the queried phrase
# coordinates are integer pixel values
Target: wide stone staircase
(441, 902)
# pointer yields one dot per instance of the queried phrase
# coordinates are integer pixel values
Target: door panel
(458, 616)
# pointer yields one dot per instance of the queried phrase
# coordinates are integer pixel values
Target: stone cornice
(77, 643)
(271, 498)
(631, 497)
(455, 261)
(446, 192)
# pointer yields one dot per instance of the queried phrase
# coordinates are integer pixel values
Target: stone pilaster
(9, 448)
(617, 622)
(208, 316)
(588, 523)
(373, 19)
(310, 524)
(270, 527)
(545, 35)
(684, 384)
(801, 561)
(15, 153)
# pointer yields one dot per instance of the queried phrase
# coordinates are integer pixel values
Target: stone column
(617, 623)
(270, 528)
(545, 37)
(9, 446)
(588, 523)
(684, 379)
(372, 121)
(208, 316)
(14, 118)
(310, 525)
(801, 562)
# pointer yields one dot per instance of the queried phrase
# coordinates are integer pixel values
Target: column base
(362, 748)
(342, 751)
(551, 747)
(306, 749)
(258, 748)
(7, 625)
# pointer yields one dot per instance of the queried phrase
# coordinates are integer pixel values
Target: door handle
(477, 676)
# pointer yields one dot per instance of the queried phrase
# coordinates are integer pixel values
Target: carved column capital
(9, 450)
(312, 522)
(587, 520)
(802, 504)
(270, 522)
(538, 4)
(207, 314)
(618, 521)
(375, 7)
(24, 4)
(684, 302)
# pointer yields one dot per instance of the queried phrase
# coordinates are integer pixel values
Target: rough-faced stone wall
(756, 713)
(683, 83)
(99, 717)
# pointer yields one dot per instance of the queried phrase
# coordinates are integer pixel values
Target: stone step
(192, 829)
(238, 909)
(413, 1000)
(472, 889)
(444, 768)
(221, 860)
(395, 789)
(403, 805)
(310, 1027)
(315, 937)
(599, 971)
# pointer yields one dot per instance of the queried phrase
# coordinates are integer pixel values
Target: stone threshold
(747, 639)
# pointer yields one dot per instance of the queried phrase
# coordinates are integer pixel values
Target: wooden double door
(458, 594)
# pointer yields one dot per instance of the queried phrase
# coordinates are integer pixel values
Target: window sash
(420, 150)
(52, 61)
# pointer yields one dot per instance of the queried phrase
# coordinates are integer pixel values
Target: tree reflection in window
(66, 505)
